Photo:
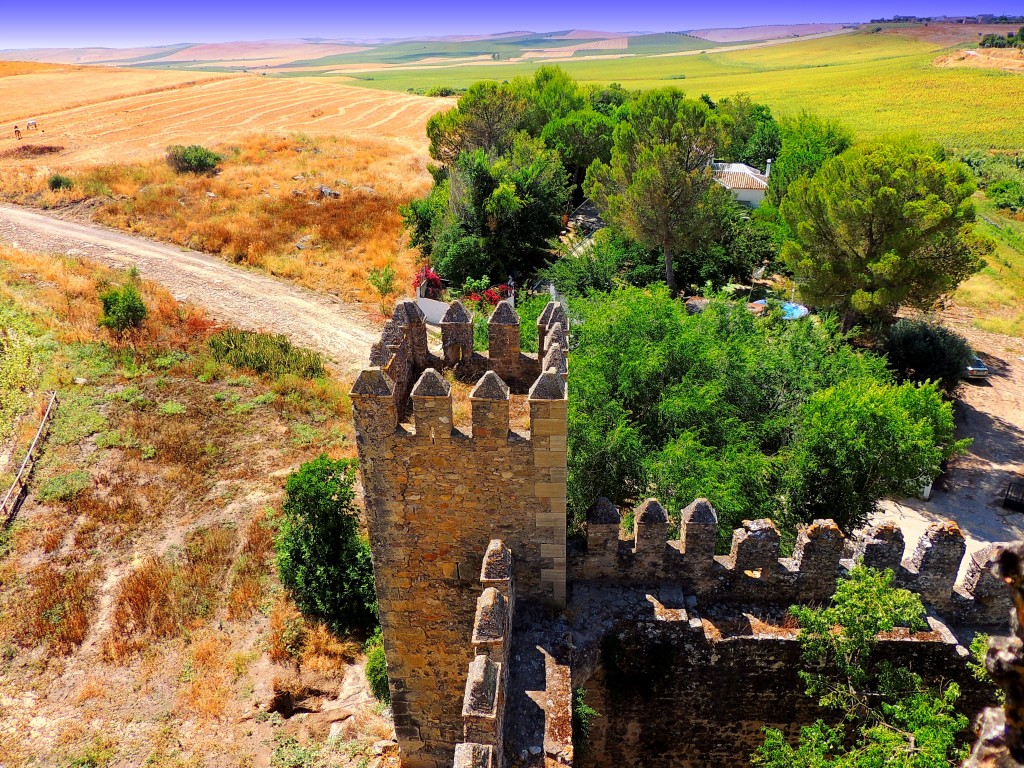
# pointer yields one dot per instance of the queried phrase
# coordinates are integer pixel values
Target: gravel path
(242, 297)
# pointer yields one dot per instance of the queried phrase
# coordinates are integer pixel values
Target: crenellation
(651, 536)
(490, 404)
(880, 546)
(983, 597)
(432, 406)
(816, 560)
(408, 314)
(456, 335)
(932, 569)
(503, 345)
(755, 549)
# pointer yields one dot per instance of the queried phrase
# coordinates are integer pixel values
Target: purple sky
(125, 23)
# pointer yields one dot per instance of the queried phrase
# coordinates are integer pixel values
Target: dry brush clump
(54, 607)
(322, 211)
(169, 595)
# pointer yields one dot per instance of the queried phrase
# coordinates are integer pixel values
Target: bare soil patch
(1008, 59)
(26, 151)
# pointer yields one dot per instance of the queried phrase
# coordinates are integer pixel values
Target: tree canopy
(658, 187)
(756, 414)
(880, 227)
(807, 141)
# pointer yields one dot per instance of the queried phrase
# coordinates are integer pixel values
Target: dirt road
(244, 298)
(992, 414)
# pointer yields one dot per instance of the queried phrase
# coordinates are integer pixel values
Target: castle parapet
(483, 705)
(456, 334)
(432, 406)
(753, 571)
(490, 403)
(374, 409)
(503, 346)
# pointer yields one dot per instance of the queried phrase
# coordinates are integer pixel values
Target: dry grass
(249, 577)
(172, 594)
(256, 212)
(208, 675)
(55, 607)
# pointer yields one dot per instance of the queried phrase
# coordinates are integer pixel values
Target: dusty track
(244, 298)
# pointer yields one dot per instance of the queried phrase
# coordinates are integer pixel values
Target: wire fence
(10, 503)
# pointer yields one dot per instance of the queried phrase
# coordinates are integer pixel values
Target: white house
(748, 185)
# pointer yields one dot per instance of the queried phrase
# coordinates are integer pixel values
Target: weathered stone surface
(503, 314)
(408, 312)
(457, 313)
(431, 384)
(548, 386)
(373, 381)
(474, 756)
(490, 625)
(497, 564)
(490, 387)
(603, 512)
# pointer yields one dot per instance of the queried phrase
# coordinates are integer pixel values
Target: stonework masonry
(467, 527)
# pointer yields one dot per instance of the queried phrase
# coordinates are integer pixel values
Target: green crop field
(876, 83)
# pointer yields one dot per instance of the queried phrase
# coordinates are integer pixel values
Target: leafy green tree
(323, 561)
(718, 404)
(889, 717)
(860, 441)
(657, 184)
(751, 134)
(807, 142)
(581, 137)
(549, 95)
(124, 310)
(491, 215)
(487, 117)
(926, 351)
(880, 227)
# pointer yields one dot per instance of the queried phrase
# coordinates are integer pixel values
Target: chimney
(768, 168)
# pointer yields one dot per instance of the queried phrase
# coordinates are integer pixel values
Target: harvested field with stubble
(99, 114)
(141, 618)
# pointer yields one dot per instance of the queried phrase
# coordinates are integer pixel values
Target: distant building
(747, 184)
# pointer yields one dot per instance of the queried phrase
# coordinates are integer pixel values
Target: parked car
(976, 369)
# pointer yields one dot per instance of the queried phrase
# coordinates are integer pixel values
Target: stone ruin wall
(437, 493)
(440, 495)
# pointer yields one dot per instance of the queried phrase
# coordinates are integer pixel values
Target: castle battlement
(754, 571)
(438, 492)
(483, 705)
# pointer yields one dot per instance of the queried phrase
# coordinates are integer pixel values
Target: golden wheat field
(99, 115)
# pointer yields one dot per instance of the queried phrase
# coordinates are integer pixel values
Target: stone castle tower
(438, 492)
(490, 621)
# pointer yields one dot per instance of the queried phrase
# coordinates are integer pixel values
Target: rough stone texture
(503, 341)
(409, 314)
(474, 756)
(935, 563)
(435, 498)
(1001, 730)
(881, 546)
(674, 693)
(456, 335)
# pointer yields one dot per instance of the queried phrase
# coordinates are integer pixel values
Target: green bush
(323, 561)
(265, 353)
(58, 181)
(123, 309)
(377, 674)
(192, 159)
(583, 716)
(921, 351)
(1007, 193)
(64, 487)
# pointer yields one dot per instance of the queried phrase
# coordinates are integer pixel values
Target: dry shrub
(208, 676)
(56, 606)
(112, 510)
(323, 652)
(167, 596)
(91, 688)
(287, 633)
(248, 583)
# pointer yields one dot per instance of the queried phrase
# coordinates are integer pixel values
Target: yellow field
(100, 115)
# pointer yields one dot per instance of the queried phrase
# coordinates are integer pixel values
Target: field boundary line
(9, 507)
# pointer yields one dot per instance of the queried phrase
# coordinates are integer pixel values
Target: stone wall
(753, 572)
(437, 493)
(673, 694)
